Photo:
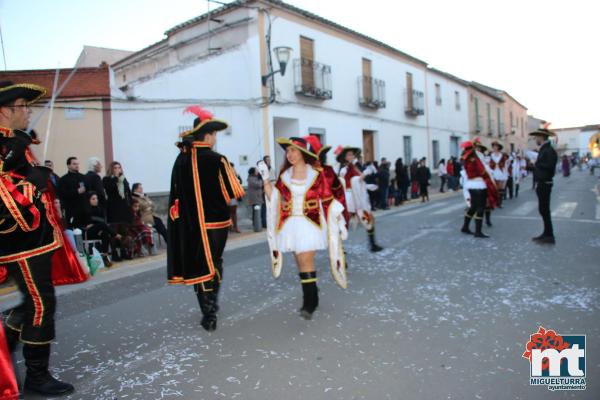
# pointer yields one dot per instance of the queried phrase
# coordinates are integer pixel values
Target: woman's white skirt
(299, 234)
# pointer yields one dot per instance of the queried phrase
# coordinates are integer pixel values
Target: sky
(544, 53)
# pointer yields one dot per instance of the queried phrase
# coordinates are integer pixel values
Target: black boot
(478, 226)
(374, 247)
(488, 218)
(208, 305)
(38, 378)
(12, 338)
(310, 294)
(465, 227)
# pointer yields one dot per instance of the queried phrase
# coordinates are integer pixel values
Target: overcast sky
(544, 53)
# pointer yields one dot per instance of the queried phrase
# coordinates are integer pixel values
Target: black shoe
(375, 248)
(535, 239)
(481, 235)
(209, 323)
(38, 378)
(466, 230)
(478, 232)
(545, 240)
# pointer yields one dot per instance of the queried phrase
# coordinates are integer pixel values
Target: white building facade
(340, 85)
(447, 114)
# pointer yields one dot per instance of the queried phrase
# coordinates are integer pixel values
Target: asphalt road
(436, 315)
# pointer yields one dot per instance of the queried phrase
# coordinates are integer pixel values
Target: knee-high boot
(38, 378)
(310, 294)
(478, 226)
(488, 217)
(374, 246)
(465, 227)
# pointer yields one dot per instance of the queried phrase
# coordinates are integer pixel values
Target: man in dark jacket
(93, 181)
(545, 167)
(71, 190)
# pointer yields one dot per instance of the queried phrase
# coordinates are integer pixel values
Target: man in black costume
(202, 185)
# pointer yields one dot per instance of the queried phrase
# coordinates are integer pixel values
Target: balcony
(414, 103)
(371, 92)
(312, 79)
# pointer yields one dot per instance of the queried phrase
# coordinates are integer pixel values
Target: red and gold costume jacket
(30, 224)
(501, 164)
(351, 172)
(337, 189)
(474, 168)
(318, 194)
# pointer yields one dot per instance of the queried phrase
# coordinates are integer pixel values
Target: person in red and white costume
(357, 197)
(499, 163)
(478, 188)
(303, 217)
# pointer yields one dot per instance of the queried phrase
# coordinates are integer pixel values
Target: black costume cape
(202, 185)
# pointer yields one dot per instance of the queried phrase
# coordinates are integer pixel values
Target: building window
(457, 100)
(407, 149)
(454, 146)
(435, 145)
(438, 94)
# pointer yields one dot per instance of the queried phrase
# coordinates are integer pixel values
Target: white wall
(444, 120)
(144, 131)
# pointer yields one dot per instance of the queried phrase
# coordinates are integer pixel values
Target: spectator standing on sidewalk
(93, 181)
(383, 178)
(255, 193)
(71, 191)
(118, 201)
(53, 177)
(423, 175)
(442, 174)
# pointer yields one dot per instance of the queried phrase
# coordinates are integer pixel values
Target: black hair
(70, 159)
(135, 186)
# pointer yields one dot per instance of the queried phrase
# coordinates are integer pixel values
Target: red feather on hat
(200, 112)
(314, 142)
(338, 150)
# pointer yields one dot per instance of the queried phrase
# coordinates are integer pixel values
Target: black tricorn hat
(497, 143)
(340, 153)
(10, 92)
(204, 123)
(542, 132)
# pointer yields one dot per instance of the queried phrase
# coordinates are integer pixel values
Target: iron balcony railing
(371, 92)
(312, 79)
(414, 102)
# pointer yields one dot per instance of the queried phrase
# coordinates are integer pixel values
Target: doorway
(282, 128)
(368, 146)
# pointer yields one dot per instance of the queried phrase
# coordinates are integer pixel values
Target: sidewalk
(248, 237)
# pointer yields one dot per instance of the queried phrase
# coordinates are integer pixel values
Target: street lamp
(282, 53)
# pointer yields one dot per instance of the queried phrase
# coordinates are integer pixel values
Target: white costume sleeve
(361, 202)
(336, 233)
(272, 205)
(466, 194)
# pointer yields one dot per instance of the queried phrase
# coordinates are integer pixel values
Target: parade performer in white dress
(499, 162)
(357, 197)
(303, 217)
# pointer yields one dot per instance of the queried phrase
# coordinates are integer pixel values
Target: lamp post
(282, 53)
